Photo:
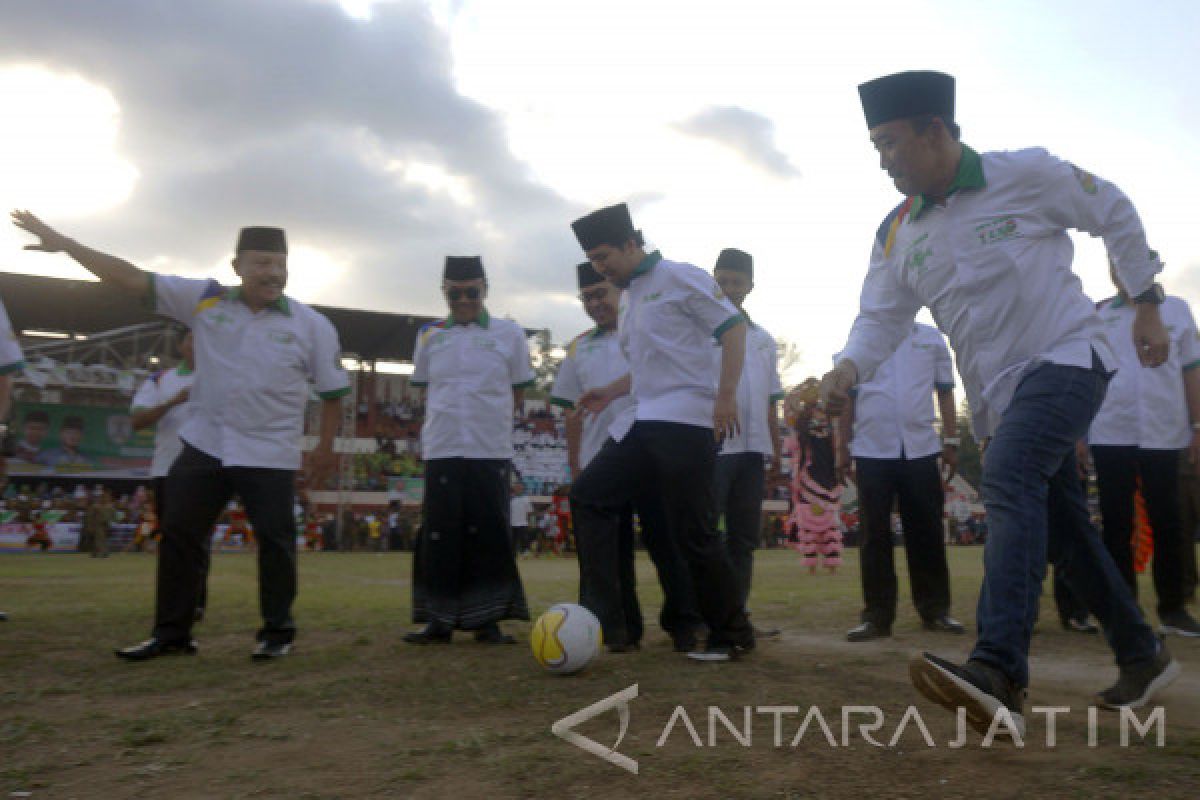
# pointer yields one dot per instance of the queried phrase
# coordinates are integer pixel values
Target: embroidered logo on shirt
(916, 256)
(650, 298)
(484, 343)
(997, 229)
(1086, 179)
(282, 337)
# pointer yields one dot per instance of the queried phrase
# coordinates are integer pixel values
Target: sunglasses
(470, 293)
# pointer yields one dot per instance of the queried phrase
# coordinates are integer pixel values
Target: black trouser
(680, 615)
(1117, 471)
(1189, 521)
(740, 481)
(679, 460)
(199, 488)
(916, 486)
(159, 485)
(520, 539)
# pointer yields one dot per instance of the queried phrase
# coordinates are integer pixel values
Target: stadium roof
(90, 307)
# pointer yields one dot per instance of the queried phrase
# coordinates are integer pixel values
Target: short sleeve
(327, 372)
(776, 384)
(567, 386)
(11, 359)
(420, 376)
(704, 301)
(147, 395)
(181, 298)
(943, 366)
(1189, 339)
(520, 368)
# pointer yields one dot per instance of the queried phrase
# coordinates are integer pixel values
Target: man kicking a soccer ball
(982, 241)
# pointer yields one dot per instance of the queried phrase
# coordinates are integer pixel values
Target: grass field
(357, 713)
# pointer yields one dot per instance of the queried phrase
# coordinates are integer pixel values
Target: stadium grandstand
(88, 347)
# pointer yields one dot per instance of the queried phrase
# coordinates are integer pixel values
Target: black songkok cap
(611, 225)
(735, 260)
(588, 276)
(906, 95)
(268, 240)
(463, 268)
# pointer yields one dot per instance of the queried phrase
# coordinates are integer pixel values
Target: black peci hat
(463, 268)
(611, 225)
(906, 95)
(268, 240)
(735, 260)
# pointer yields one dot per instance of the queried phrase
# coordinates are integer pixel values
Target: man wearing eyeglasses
(473, 368)
(608, 580)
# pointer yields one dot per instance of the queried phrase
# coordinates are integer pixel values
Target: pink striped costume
(816, 497)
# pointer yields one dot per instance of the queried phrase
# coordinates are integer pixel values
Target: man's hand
(594, 401)
(49, 240)
(949, 462)
(318, 465)
(725, 416)
(843, 466)
(1083, 458)
(774, 468)
(1150, 337)
(182, 396)
(836, 385)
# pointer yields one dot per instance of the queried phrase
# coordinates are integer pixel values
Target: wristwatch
(1154, 295)
(952, 441)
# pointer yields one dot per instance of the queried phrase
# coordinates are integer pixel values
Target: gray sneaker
(1180, 623)
(1137, 684)
(980, 688)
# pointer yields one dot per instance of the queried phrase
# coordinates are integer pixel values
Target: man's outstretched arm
(110, 269)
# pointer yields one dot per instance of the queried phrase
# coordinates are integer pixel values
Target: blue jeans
(1030, 479)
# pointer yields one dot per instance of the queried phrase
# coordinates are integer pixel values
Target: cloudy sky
(387, 135)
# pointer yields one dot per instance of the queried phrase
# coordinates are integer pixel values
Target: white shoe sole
(952, 692)
(1164, 679)
(1167, 630)
(704, 655)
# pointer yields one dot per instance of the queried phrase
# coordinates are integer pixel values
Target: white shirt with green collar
(158, 389)
(469, 372)
(669, 317)
(253, 370)
(594, 359)
(1146, 407)
(758, 389)
(994, 267)
(893, 412)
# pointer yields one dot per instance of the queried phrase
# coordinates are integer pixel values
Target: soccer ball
(566, 638)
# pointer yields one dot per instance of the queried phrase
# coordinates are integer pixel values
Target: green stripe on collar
(279, 304)
(647, 263)
(969, 175)
(483, 321)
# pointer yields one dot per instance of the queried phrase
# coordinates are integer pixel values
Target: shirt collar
(483, 321)
(279, 304)
(647, 264)
(183, 369)
(1117, 301)
(969, 175)
(597, 332)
